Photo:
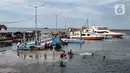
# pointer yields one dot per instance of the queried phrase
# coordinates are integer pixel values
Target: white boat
(85, 35)
(105, 31)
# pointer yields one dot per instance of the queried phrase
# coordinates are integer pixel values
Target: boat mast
(91, 21)
(87, 22)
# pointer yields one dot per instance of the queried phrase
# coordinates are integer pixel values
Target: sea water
(116, 51)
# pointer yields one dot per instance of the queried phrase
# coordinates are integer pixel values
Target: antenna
(56, 19)
(91, 21)
(87, 22)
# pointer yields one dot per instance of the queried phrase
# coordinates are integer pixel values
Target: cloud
(16, 1)
(76, 11)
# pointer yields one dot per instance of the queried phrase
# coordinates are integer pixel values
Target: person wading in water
(70, 54)
(62, 55)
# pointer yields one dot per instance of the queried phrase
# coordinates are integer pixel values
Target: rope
(42, 22)
(19, 21)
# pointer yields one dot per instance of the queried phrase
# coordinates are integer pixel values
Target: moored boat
(77, 41)
(106, 32)
(85, 35)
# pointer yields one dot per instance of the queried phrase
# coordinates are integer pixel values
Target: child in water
(70, 53)
(63, 55)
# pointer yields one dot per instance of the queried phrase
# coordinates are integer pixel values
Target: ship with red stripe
(105, 31)
(85, 35)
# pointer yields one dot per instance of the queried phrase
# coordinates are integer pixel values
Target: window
(88, 34)
(100, 32)
(82, 34)
(105, 32)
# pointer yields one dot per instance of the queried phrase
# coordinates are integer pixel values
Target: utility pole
(56, 22)
(87, 22)
(65, 23)
(56, 19)
(36, 32)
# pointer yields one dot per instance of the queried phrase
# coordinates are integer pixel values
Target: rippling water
(117, 52)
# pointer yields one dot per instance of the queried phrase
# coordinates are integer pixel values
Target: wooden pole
(80, 34)
(54, 52)
(24, 40)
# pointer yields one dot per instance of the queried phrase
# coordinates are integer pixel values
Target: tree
(3, 27)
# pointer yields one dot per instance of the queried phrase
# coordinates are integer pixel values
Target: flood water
(117, 52)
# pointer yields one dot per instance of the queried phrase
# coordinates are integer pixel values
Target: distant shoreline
(57, 28)
(120, 29)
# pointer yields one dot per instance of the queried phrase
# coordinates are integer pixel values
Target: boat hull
(114, 35)
(78, 41)
(89, 38)
(108, 37)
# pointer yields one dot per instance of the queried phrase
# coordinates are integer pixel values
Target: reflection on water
(28, 55)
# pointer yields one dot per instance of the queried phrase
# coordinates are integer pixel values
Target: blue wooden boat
(56, 40)
(23, 47)
(29, 44)
(77, 41)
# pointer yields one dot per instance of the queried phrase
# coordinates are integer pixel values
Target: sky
(19, 14)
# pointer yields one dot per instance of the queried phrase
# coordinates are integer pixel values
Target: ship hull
(114, 35)
(89, 38)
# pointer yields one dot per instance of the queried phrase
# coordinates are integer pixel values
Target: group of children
(64, 56)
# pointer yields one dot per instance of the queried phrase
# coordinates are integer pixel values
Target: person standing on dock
(39, 43)
(36, 42)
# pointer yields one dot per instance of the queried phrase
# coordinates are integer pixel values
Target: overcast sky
(99, 12)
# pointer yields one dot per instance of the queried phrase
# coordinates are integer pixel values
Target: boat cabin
(78, 33)
(100, 29)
